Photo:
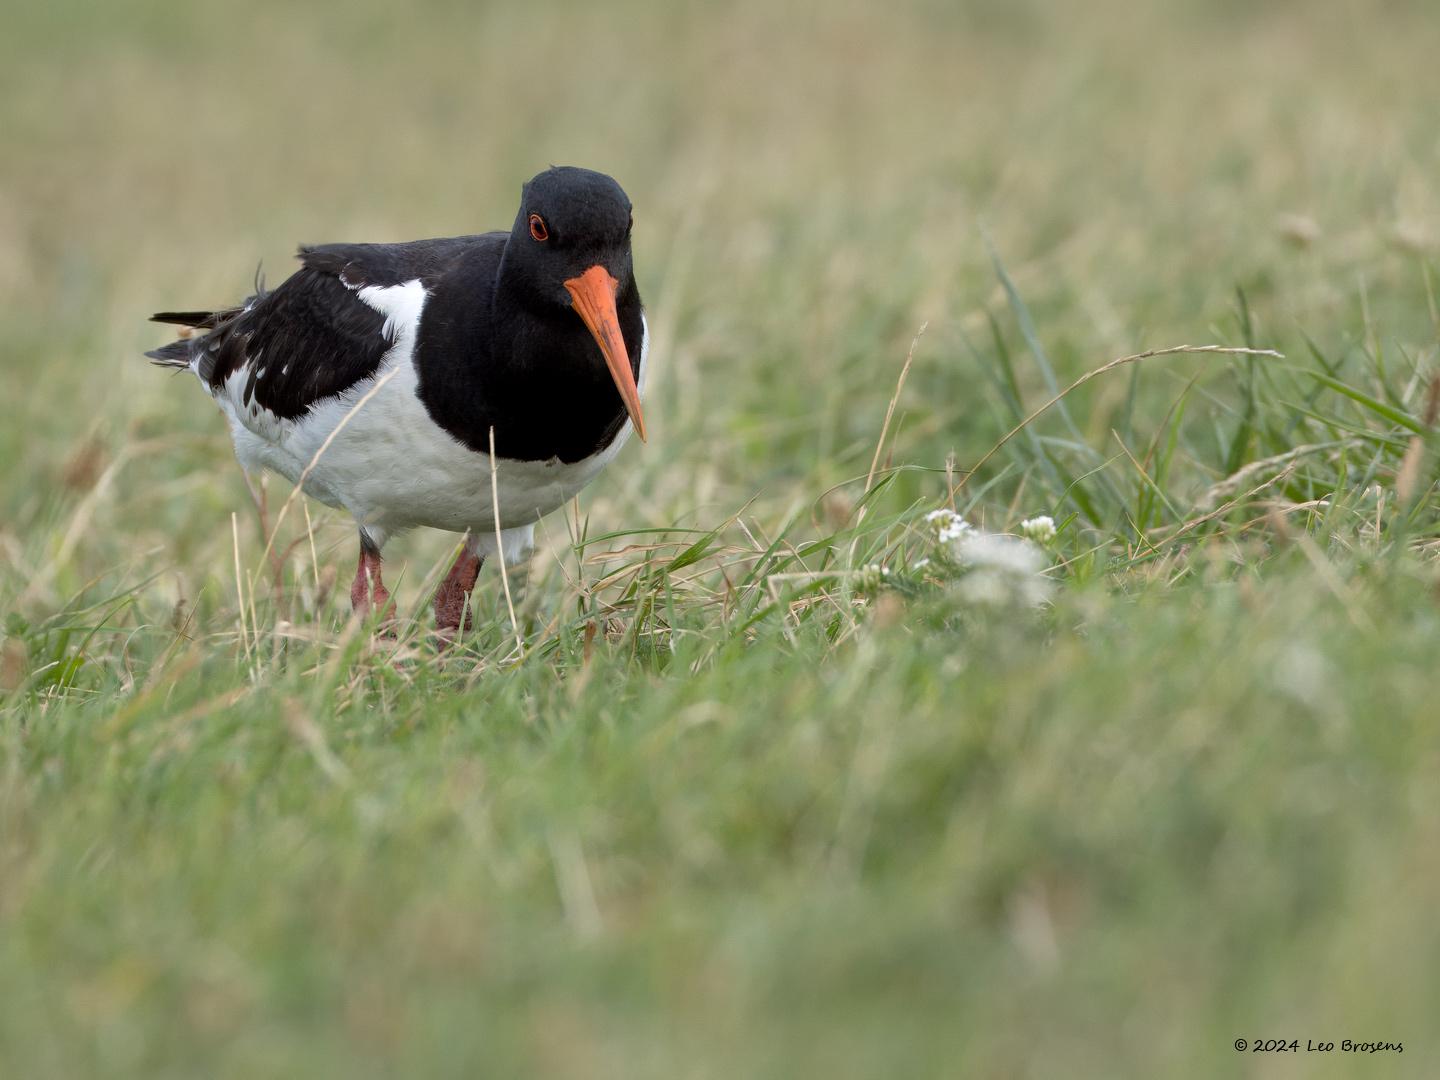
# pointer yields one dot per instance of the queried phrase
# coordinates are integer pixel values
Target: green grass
(742, 805)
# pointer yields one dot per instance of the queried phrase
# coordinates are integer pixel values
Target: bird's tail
(196, 324)
(176, 355)
(197, 320)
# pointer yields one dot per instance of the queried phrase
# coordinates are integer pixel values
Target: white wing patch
(401, 305)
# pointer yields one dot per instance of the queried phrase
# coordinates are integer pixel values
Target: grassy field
(753, 789)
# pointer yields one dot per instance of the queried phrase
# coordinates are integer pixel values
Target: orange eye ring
(538, 231)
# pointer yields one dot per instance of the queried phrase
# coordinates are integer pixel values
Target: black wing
(312, 337)
(358, 265)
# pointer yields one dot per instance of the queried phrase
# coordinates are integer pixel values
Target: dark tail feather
(175, 355)
(201, 320)
(197, 326)
(178, 354)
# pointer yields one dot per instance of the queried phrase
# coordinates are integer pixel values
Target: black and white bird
(375, 374)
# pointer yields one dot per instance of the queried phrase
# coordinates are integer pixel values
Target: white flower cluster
(1003, 570)
(948, 525)
(1041, 529)
(994, 568)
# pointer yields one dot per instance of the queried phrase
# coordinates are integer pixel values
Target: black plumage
(497, 346)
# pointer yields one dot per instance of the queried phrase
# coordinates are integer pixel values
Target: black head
(570, 248)
(570, 220)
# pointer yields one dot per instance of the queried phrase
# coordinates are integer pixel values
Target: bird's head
(570, 248)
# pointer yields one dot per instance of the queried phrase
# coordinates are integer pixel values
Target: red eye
(537, 228)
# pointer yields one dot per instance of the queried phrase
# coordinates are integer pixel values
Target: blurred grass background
(749, 828)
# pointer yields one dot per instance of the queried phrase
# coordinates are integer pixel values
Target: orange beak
(592, 294)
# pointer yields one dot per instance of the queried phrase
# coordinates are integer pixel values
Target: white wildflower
(994, 551)
(948, 525)
(991, 568)
(985, 587)
(998, 589)
(1002, 569)
(1041, 529)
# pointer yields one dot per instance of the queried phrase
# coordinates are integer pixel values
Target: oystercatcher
(377, 375)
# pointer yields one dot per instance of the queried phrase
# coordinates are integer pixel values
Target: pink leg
(368, 592)
(451, 595)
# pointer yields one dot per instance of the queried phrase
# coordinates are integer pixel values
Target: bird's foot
(368, 594)
(452, 616)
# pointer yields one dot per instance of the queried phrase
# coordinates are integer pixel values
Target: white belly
(392, 467)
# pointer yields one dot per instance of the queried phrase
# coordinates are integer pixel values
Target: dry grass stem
(500, 547)
(319, 453)
(890, 408)
(239, 583)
